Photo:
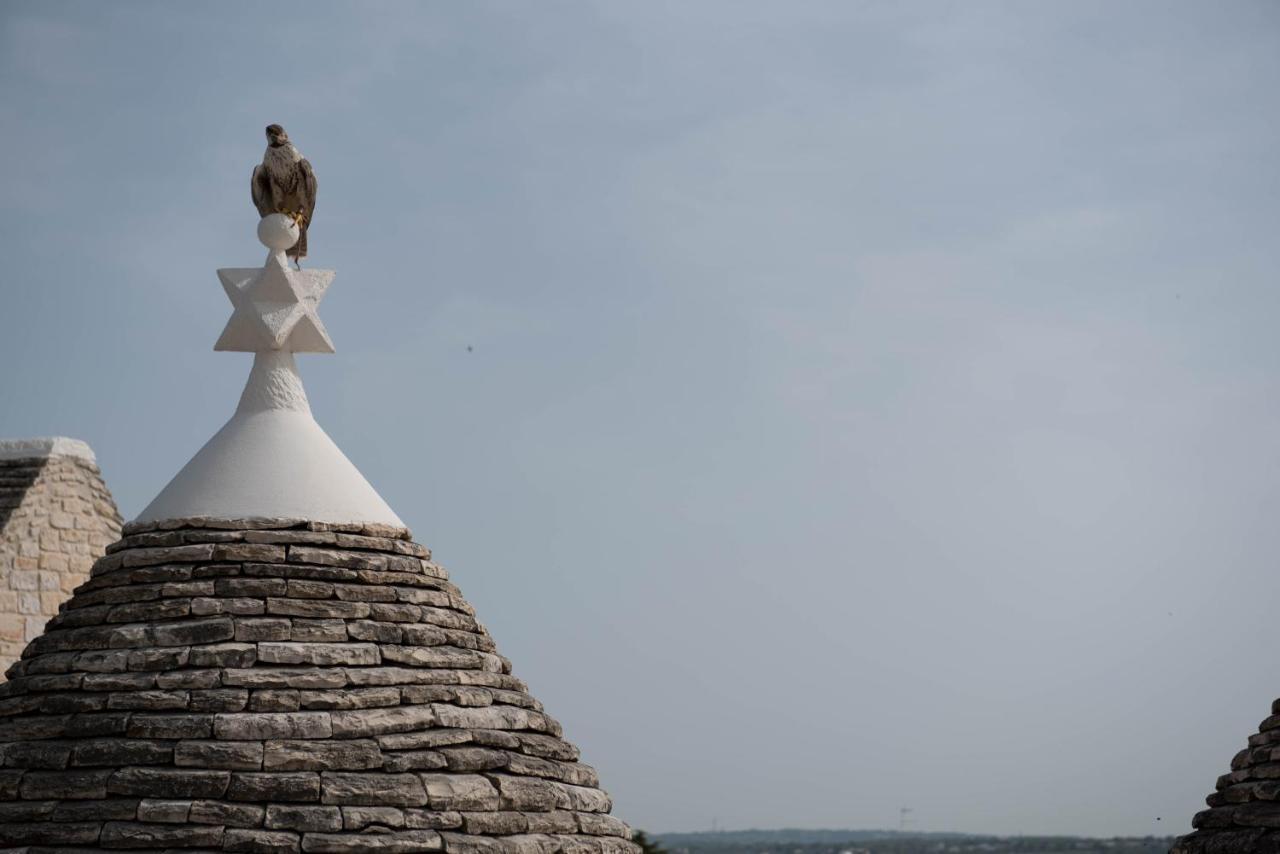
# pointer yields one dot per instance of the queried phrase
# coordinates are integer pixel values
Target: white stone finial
(277, 232)
(275, 306)
(272, 459)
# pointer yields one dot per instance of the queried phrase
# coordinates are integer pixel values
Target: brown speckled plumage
(284, 183)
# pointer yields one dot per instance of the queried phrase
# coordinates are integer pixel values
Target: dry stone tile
(358, 818)
(459, 792)
(260, 841)
(390, 842)
(228, 755)
(167, 811)
(159, 782)
(264, 725)
(369, 722)
(346, 755)
(267, 787)
(352, 698)
(304, 818)
(372, 789)
(320, 654)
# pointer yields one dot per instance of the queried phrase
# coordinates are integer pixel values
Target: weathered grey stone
(165, 811)
(367, 722)
(37, 754)
(264, 725)
(275, 700)
(187, 679)
(390, 842)
(460, 695)
(121, 751)
(107, 723)
(129, 834)
(298, 786)
(48, 833)
(529, 793)
(263, 629)
(73, 785)
(358, 818)
(489, 822)
(473, 759)
(260, 842)
(584, 798)
(219, 700)
(347, 755)
(159, 659)
(26, 811)
(460, 792)
(133, 612)
(170, 726)
(9, 783)
(286, 677)
(444, 657)
(372, 789)
(303, 588)
(233, 654)
(149, 700)
(432, 820)
(318, 653)
(172, 554)
(249, 551)
(258, 588)
(398, 613)
(414, 760)
(555, 821)
(229, 815)
(319, 631)
(420, 634)
(488, 717)
(112, 661)
(172, 782)
(364, 592)
(205, 606)
(335, 557)
(431, 738)
(599, 824)
(352, 698)
(304, 818)
(190, 632)
(316, 608)
(369, 630)
(120, 809)
(228, 755)
(118, 681)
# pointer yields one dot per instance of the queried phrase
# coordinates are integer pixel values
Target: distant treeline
(794, 841)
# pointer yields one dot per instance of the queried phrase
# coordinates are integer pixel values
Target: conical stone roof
(283, 686)
(1244, 810)
(267, 663)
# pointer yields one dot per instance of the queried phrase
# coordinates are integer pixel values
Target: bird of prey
(284, 183)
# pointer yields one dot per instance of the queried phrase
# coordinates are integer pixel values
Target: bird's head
(276, 135)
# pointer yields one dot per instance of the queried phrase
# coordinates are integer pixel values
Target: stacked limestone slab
(56, 516)
(1244, 811)
(282, 686)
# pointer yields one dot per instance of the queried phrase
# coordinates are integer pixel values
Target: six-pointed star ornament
(275, 308)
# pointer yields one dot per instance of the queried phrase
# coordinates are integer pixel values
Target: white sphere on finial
(277, 232)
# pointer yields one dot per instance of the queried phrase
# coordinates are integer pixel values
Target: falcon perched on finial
(285, 184)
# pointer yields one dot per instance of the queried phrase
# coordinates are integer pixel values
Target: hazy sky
(870, 404)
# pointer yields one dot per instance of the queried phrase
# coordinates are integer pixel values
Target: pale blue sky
(871, 404)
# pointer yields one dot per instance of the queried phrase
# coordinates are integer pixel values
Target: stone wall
(56, 518)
